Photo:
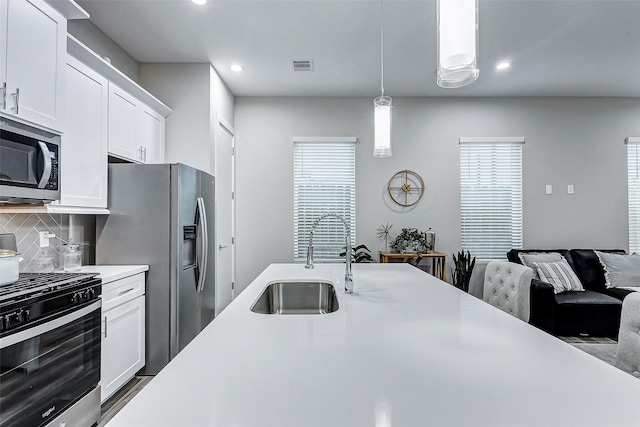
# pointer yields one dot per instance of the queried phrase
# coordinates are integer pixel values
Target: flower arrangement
(409, 240)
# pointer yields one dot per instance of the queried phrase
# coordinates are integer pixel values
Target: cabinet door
(151, 134)
(123, 112)
(4, 9)
(84, 144)
(123, 347)
(36, 49)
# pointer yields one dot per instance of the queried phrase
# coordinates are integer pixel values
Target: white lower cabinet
(123, 333)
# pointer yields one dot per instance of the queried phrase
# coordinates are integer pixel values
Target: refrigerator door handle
(202, 264)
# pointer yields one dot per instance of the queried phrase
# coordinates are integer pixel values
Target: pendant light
(457, 42)
(382, 107)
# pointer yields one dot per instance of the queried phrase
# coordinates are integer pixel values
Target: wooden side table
(438, 261)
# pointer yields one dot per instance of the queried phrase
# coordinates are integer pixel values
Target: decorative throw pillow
(559, 275)
(620, 270)
(529, 258)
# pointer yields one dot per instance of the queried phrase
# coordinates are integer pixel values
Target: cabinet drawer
(123, 290)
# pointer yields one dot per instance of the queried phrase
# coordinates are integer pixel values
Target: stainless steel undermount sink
(297, 297)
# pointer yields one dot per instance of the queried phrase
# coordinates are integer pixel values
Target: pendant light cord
(382, 47)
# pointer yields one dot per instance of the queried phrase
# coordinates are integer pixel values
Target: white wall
(195, 93)
(90, 35)
(186, 89)
(577, 141)
(222, 99)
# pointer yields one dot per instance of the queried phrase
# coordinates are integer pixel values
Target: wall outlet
(44, 239)
(548, 189)
(570, 189)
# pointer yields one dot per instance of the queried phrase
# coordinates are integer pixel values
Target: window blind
(324, 181)
(633, 175)
(490, 196)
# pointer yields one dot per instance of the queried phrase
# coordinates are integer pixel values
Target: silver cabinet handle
(222, 246)
(46, 173)
(144, 154)
(105, 326)
(125, 291)
(16, 98)
(3, 97)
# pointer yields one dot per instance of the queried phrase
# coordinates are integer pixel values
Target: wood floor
(116, 402)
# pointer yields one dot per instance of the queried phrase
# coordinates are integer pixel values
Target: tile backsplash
(26, 227)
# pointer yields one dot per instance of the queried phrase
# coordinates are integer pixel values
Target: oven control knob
(75, 298)
(23, 315)
(92, 293)
(13, 319)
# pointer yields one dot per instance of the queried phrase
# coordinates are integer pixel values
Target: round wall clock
(405, 188)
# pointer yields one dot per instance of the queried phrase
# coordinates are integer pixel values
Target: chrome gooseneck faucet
(348, 277)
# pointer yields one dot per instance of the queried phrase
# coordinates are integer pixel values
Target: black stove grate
(29, 283)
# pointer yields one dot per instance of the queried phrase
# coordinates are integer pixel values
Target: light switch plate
(548, 189)
(570, 189)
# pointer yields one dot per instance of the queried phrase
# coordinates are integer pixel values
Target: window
(324, 181)
(491, 196)
(633, 171)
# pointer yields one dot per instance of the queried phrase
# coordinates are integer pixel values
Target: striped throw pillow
(559, 275)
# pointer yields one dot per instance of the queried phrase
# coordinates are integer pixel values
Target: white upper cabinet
(122, 124)
(84, 144)
(32, 62)
(151, 134)
(136, 131)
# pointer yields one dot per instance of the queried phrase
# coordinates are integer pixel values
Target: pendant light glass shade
(457, 42)
(382, 126)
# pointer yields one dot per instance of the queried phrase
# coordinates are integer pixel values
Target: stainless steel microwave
(29, 164)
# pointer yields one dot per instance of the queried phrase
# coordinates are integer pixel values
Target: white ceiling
(557, 48)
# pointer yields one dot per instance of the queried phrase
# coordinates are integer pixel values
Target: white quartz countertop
(406, 349)
(110, 273)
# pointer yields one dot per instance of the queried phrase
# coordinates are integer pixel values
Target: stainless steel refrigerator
(163, 216)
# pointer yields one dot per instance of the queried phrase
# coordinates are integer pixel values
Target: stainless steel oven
(29, 164)
(50, 351)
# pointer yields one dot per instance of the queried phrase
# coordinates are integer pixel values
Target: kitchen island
(406, 349)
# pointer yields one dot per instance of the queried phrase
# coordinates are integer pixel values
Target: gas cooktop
(39, 297)
(33, 283)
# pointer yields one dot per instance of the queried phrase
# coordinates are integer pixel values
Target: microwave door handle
(202, 215)
(46, 173)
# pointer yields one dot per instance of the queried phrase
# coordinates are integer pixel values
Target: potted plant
(359, 254)
(409, 240)
(462, 269)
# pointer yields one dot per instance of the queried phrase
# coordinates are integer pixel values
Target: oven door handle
(48, 326)
(46, 173)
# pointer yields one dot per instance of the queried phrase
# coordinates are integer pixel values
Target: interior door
(225, 206)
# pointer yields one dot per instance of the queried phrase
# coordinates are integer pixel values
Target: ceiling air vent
(302, 65)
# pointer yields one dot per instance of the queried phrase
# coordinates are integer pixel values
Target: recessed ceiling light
(236, 67)
(503, 65)
(199, 1)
